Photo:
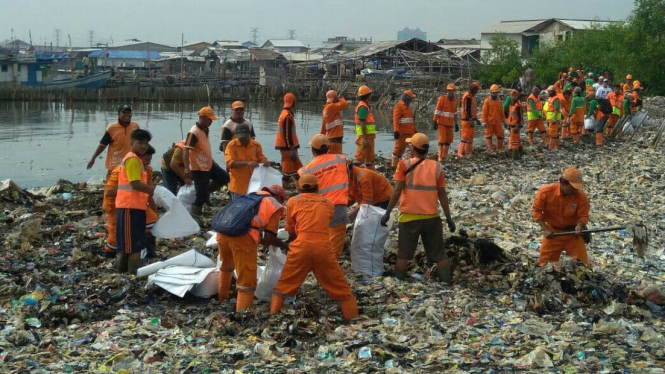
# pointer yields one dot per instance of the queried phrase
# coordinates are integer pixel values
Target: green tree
(502, 63)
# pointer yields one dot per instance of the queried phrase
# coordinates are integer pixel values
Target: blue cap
(124, 107)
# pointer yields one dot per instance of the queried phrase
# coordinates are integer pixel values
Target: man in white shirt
(229, 127)
(602, 91)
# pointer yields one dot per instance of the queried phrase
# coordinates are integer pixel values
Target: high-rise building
(408, 34)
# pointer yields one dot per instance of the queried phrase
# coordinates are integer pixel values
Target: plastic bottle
(365, 353)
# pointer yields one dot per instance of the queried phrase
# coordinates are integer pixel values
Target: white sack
(189, 258)
(176, 222)
(187, 195)
(369, 238)
(268, 280)
(264, 176)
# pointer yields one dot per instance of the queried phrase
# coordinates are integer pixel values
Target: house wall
(114, 62)
(555, 31)
(8, 75)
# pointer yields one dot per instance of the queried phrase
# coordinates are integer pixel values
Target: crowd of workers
(317, 217)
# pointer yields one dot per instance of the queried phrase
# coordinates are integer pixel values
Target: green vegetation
(502, 64)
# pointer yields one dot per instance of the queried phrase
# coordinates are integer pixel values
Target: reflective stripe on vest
(406, 120)
(329, 174)
(539, 108)
(552, 114)
(421, 187)
(127, 197)
(370, 126)
(337, 122)
(444, 114)
(420, 193)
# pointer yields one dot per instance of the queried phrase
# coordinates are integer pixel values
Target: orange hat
(637, 84)
(450, 87)
(494, 88)
(419, 140)
(276, 190)
(307, 181)
(629, 76)
(574, 177)
(410, 94)
(206, 111)
(331, 96)
(320, 142)
(289, 100)
(364, 90)
(237, 104)
(475, 84)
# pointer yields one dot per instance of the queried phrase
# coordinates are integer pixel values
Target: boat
(91, 82)
(28, 71)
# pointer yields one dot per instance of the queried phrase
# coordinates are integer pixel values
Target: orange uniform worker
(576, 114)
(308, 215)
(242, 155)
(553, 114)
(534, 116)
(286, 140)
(173, 167)
(117, 138)
(131, 203)
(240, 253)
(365, 129)
(560, 84)
(367, 187)
(445, 117)
(493, 119)
(561, 207)
(330, 170)
(616, 99)
(515, 122)
(332, 124)
(469, 111)
(229, 127)
(565, 99)
(600, 117)
(628, 85)
(419, 185)
(404, 125)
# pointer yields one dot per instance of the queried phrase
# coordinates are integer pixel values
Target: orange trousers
(313, 254)
(565, 131)
(575, 130)
(289, 166)
(335, 148)
(611, 122)
(365, 154)
(532, 126)
(239, 253)
(465, 148)
(514, 141)
(110, 242)
(574, 246)
(553, 132)
(337, 238)
(400, 145)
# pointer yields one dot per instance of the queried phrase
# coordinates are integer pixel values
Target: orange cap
(574, 177)
(637, 84)
(410, 94)
(289, 100)
(450, 87)
(206, 111)
(364, 90)
(307, 181)
(237, 104)
(319, 141)
(276, 190)
(331, 96)
(476, 85)
(419, 140)
(629, 76)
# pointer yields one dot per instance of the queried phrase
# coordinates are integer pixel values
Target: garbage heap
(63, 309)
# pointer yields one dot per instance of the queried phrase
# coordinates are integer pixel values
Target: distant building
(466, 49)
(143, 46)
(342, 44)
(530, 33)
(249, 44)
(408, 34)
(285, 45)
(124, 58)
(198, 46)
(227, 44)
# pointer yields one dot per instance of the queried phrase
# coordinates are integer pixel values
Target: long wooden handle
(617, 228)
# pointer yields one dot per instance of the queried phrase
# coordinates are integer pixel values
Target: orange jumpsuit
(616, 98)
(535, 118)
(234, 152)
(515, 121)
(240, 253)
(403, 123)
(469, 111)
(444, 116)
(553, 120)
(494, 117)
(560, 213)
(565, 109)
(369, 187)
(332, 125)
(286, 139)
(308, 216)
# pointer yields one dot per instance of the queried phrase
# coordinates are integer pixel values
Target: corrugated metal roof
(579, 24)
(129, 55)
(514, 27)
(284, 43)
(264, 54)
(370, 49)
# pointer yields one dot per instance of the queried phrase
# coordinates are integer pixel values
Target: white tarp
(187, 272)
(187, 195)
(264, 176)
(369, 238)
(176, 222)
(190, 258)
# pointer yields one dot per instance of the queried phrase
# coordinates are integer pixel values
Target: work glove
(435, 125)
(396, 135)
(294, 154)
(451, 224)
(384, 219)
(484, 124)
(456, 127)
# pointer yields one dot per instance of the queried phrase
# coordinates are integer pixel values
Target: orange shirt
(119, 145)
(564, 105)
(560, 211)
(332, 124)
(444, 114)
(269, 214)
(235, 151)
(308, 215)
(403, 118)
(369, 187)
(420, 194)
(493, 112)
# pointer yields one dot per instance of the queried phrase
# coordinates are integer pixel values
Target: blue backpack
(235, 219)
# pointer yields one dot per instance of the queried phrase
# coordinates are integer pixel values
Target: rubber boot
(276, 304)
(393, 161)
(151, 242)
(224, 285)
(520, 150)
(134, 263)
(499, 144)
(197, 214)
(399, 274)
(121, 262)
(460, 149)
(444, 273)
(349, 308)
(245, 300)
(488, 141)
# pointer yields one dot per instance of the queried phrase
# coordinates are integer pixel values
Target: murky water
(43, 142)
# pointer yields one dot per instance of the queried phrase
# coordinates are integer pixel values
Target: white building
(285, 45)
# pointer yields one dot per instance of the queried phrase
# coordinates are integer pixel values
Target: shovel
(639, 231)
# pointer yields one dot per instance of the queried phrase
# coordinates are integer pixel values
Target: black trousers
(202, 180)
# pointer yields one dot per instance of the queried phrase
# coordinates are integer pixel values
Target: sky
(164, 21)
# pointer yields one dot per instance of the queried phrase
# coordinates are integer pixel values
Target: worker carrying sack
(235, 219)
(604, 106)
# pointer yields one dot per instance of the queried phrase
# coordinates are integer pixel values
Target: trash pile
(63, 309)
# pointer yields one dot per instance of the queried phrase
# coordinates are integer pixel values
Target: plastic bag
(369, 238)
(264, 176)
(187, 195)
(590, 124)
(270, 276)
(176, 222)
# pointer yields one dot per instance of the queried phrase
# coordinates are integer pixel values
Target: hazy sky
(163, 21)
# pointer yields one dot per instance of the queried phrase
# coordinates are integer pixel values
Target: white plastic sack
(187, 195)
(176, 222)
(190, 258)
(590, 124)
(264, 176)
(271, 274)
(369, 239)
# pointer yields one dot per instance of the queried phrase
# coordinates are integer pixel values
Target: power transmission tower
(91, 37)
(57, 37)
(292, 34)
(255, 35)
